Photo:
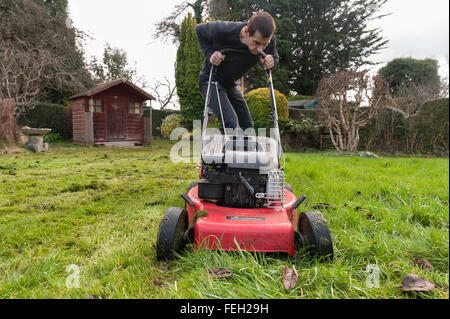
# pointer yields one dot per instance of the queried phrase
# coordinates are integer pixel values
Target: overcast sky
(415, 28)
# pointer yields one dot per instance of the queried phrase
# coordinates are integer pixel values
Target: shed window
(98, 106)
(134, 108)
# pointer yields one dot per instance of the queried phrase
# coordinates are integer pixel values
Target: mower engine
(241, 172)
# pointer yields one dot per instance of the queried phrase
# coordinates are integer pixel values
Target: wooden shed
(112, 113)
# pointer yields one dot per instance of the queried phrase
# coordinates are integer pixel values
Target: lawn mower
(241, 201)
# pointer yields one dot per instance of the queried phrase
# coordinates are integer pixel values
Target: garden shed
(111, 114)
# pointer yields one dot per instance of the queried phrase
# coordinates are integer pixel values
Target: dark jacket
(219, 35)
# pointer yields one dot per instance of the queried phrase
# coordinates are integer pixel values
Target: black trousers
(234, 107)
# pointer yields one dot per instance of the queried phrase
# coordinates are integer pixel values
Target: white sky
(416, 28)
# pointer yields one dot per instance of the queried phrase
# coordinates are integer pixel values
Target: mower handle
(237, 51)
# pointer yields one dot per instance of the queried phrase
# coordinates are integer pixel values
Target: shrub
(169, 123)
(260, 106)
(53, 116)
(157, 118)
(386, 133)
(428, 128)
(299, 134)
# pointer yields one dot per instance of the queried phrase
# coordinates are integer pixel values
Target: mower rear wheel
(314, 230)
(170, 233)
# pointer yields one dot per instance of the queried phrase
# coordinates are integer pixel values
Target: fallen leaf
(324, 206)
(416, 283)
(93, 297)
(219, 273)
(422, 263)
(157, 282)
(290, 277)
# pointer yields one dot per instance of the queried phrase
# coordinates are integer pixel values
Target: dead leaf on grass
(290, 277)
(219, 273)
(324, 206)
(423, 263)
(416, 283)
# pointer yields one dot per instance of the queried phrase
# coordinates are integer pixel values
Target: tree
(114, 65)
(39, 59)
(403, 72)
(167, 98)
(168, 28)
(413, 82)
(187, 68)
(341, 99)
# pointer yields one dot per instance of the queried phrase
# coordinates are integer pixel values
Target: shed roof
(303, 104)
(105, 86)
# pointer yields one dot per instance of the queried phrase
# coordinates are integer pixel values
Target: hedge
(301, 114)
(428, 128)
(54, 116)
(300, 97)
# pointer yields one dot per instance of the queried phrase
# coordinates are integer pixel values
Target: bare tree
(34, 46)
(168, 28)
(164, 93)
(348, 101)
(409, 98)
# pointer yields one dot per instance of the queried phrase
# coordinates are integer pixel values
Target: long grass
(100, 208)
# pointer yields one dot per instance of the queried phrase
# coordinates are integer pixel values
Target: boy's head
(259, 31)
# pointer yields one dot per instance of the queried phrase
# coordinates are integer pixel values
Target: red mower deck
(260, 230)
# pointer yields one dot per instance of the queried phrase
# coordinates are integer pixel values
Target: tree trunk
(8, 124)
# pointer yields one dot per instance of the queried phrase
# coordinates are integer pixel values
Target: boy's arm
(206, 32)
(272, 50)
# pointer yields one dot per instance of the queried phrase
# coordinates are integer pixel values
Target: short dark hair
(263, 22)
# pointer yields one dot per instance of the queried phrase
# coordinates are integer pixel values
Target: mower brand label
(246, 218)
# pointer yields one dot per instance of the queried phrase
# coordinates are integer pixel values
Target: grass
(100, 208)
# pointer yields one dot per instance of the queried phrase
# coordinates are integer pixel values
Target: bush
(299, 135)
(428, 128)
(260, 106)
(53, 116)
(157, 118)
(386, 133)
(301, 114)
(169, 123)
(52, 137)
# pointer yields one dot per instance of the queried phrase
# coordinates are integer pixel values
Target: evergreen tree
(403, 72)
(188, 66)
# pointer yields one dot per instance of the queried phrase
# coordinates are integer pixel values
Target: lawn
(100, 208)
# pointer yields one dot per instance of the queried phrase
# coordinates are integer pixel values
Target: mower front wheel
(315, 234)
(170, 233)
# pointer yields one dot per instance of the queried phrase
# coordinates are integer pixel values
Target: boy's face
(256, 41)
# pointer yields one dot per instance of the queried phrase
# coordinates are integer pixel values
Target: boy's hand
(267, 62)
(217, 58)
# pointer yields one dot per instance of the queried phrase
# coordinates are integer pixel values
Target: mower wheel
(170, 233)
(314, 230)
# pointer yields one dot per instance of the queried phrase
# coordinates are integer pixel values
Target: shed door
(116, 117)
